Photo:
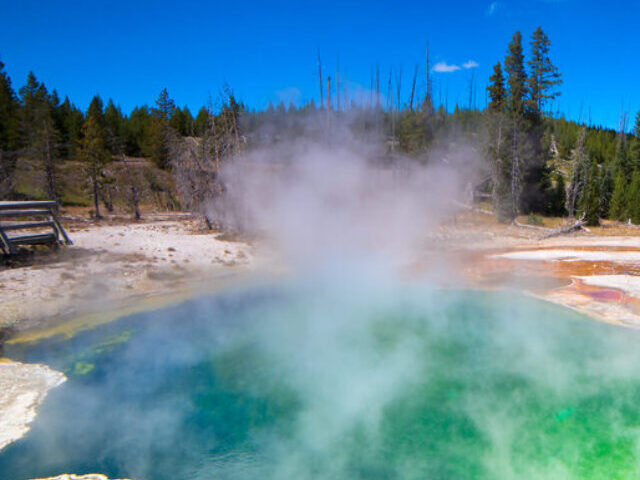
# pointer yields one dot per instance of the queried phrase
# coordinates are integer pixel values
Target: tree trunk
(135, 196)
(107, 197)
(413, 88)
(96, 202)
(49, 169)
(135, 199)
(515, 171)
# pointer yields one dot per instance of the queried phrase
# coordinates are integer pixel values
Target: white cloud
(491, 9)
(444, 67)
(470, 64)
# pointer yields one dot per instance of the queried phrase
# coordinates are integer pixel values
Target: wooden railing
(13, 217)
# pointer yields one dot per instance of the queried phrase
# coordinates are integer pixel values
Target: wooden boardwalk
(15, 228)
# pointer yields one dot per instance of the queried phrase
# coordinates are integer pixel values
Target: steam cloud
(344, 202)
(366, 376)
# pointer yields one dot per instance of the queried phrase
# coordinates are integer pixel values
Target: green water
(340, 383)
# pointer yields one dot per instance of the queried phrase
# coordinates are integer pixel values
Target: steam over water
(320, 381)
(345, 372)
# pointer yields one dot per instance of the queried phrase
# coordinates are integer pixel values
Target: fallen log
(532, 227)
(579, 225)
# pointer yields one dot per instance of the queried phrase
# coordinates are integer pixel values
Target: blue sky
(267, 50)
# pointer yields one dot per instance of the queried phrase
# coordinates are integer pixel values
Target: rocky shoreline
(24, 388)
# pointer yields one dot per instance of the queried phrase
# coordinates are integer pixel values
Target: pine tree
(621, 161)
(516, 75)
(496, 90)
(518, 148)
(634, 148)
(96, 110)
(633, 199)
(31, 103)
(557, 197)
(159, 131)
(179, 121)
(544, 76)
(414, 132)
(202, 122)
(42, 137)
(607, 185)
(186, 122)
(135, 129)
(70, 121)
(590, 201)
(164, 106)
(500, 171)
(114, 128)
(9, 133)
(94, 153)
(156, 145)
(541, 87)
(618, 204)
(189, 121)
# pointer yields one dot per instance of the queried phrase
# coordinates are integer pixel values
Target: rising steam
(319, 202)
(341, 371)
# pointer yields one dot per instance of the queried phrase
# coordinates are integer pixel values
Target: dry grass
(155, 186)
(610, 228)
(545, 222)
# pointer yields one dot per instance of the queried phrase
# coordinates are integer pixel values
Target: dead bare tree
(413, 88)
(516, 186)
(345, 95)
(398, 88)
(371, 90)
(389, 91)
(116, 144)
(320, 78)
(428, 101)
(338, 84)
(43, 147)
(133, 188)
(377, 87)
(198, 162)
(471, 103)
(579, 173)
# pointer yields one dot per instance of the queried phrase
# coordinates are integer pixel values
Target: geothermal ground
(121, 267)
(113, 264)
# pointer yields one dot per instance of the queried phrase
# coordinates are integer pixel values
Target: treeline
(538, 164)
(519, 145)
(592, 159)
(532, 154)
(36, 124)
(33, 107)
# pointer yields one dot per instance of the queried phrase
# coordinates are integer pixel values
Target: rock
(23, 387)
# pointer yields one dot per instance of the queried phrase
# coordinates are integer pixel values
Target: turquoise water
(318, 382)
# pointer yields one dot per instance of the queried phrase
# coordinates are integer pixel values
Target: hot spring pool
(316, 383)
